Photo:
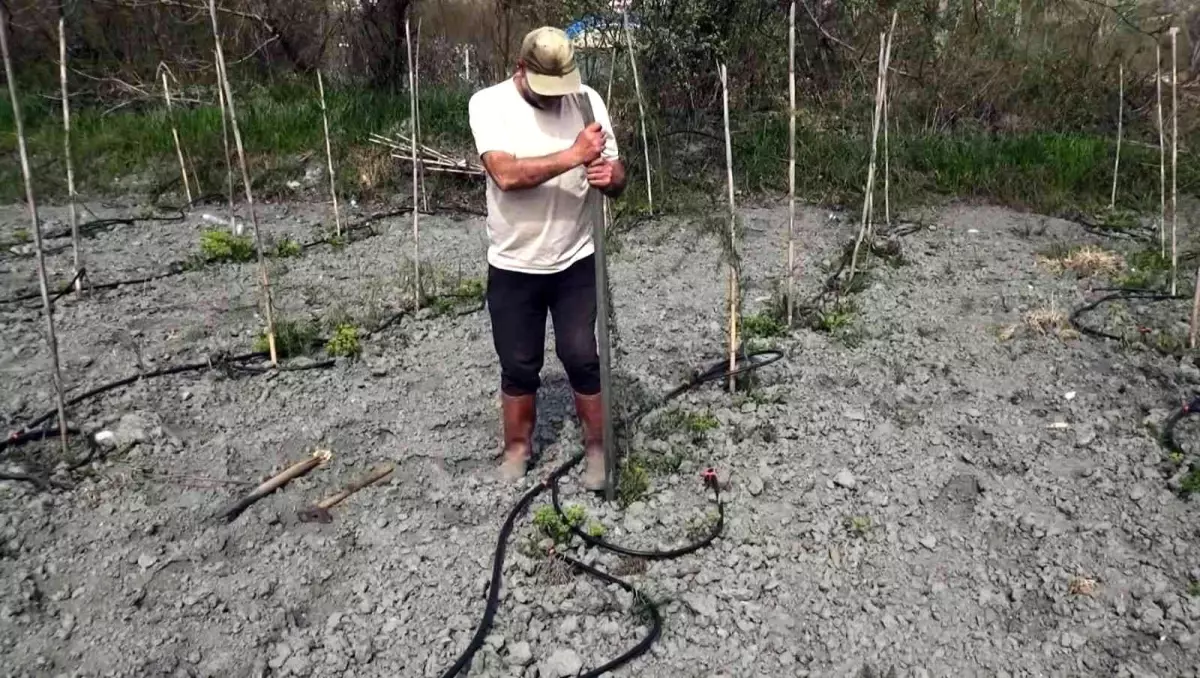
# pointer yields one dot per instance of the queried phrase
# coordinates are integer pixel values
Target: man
(541, 162)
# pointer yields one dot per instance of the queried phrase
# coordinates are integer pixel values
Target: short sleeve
(485, 127)
(600, 113)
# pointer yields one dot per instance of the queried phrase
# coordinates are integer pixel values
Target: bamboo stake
(887, 155)
(1175, 164)
(416, 213)
(47, 308)
(417, 108)
(612, 70)
(1162, 156)
(241, 152)
(337, 217)
(1112, 201)
(870, 189)
(885, 67)
(791, 246)
(72, 206)
(637, 86)
(225, 139)
(175, 132)
(733, 286)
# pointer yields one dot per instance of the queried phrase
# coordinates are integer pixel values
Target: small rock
(845, 478)
(705, 606)
(561, 664)
(146, 561)
(519, 654)
(929, 542)
(755, 485)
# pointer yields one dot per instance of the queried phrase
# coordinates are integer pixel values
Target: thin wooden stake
(733, 283)
(337, 217)
(791, 245)
(612, 70)
(1112, 201)
(887, 155)
(187, 189)
(870, 188)
(417, 118)
(416, 213)
(241, 152)
(47, 308)
(72, 206)
(637, 87)
(1175, 165)
(225, 139)
(1162, 156)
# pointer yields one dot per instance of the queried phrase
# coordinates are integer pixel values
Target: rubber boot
(519, 415)
(590, 410)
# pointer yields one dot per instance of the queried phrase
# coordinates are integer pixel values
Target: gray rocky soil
(933, 488)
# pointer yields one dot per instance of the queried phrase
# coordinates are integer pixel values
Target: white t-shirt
(540, 229)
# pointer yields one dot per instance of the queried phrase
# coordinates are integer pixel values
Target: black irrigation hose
(1168, 430)
(1145, 295)
(716, 371)
(23, 435)
(180, 267)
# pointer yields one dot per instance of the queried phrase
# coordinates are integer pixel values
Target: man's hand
(589, 144)
(600, 174)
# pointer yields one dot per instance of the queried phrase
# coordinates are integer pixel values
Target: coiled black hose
(1167, 438)
(747, 363)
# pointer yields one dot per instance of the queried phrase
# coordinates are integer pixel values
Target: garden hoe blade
(595, 209)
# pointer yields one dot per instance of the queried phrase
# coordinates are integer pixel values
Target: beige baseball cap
(549, 59)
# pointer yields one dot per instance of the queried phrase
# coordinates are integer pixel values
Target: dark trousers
(518, 303)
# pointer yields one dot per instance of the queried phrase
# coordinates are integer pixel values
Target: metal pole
(603, 340)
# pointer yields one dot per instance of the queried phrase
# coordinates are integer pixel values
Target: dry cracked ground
(942, 480)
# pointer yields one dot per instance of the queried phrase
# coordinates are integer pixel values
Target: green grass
(292, 338)
(1147, 270)
(1050, 172)
(278, 124)
(281, 126)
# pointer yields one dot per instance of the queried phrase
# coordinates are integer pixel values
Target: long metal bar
(597, 209)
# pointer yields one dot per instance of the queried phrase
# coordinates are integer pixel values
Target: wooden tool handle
(375, 476)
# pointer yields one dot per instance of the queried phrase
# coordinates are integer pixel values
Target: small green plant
(344, 342)
(596, 529)
(859, 525)
(22, 235)
(695, 425)
(219, 245)
(337, 242)
(763, 325)
(1191, 482)
(837, 317)
(633, 483)
(287, 247)
(1194, 589)
(549, 523)
(701, 526)
(292, 338)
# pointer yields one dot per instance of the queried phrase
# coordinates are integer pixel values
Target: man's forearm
(514, 174)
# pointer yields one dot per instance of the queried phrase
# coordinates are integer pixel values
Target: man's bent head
(546, 65)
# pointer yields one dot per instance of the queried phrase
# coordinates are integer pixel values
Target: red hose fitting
(710, 477)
